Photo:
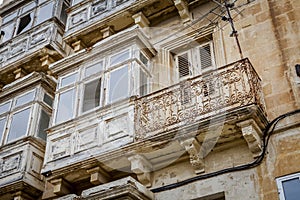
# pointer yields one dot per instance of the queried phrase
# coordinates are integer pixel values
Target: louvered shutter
(183, 65)
(205, 56)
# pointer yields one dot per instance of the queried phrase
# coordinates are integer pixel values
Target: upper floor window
(29, 15)
(289, 187)
(195, 61)
(100, 82)
(17, 113)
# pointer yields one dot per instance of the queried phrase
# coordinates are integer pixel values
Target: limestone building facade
(148, 99)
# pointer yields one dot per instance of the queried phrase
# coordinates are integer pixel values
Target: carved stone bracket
(98, 176)
(19, 73)
(106, 32)
(21, 196)
(46, 61)
(183, 10)
(252, 134)
(61, 187)
(193, 147)
(78, 45)
(142, 167)
(141, 20)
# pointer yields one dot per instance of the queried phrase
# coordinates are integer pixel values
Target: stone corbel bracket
(192, 146)
(98, 176)
(252, 134)
(183, 9)
(142, 168)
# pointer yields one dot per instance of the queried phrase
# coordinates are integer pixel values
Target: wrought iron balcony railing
(230, 87)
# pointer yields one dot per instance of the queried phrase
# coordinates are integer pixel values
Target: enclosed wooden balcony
(138, 136)
(31, 37)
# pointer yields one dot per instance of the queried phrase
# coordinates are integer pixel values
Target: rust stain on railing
(232, 86)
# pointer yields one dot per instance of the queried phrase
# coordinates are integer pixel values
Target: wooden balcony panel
(21, 163)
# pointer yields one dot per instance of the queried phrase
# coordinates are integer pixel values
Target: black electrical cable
(266, 137)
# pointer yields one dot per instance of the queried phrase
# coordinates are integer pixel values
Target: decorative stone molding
(183, 10)
(142, 167)
(252, 134)
(21, 196)
(141, 20)
(98, 176)
(193, 147)
(19, 73)
(61, 187)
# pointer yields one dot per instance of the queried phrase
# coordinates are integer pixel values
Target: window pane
(9, 17)
(45, 12)
(91, 97)
(25, 98)
(28, 7)
(44, 124)
(76, 1)
(65, 108)
(4, 107)
(48, 100)
(63, 13)
(2, 127)
(143, 83)
(291, 189)
(119, 57)
(25, 23)
(93, 69)
(42, 1)
(19, 124)
(7, 32)
(68, 80)
(118, 84)
(143, 59)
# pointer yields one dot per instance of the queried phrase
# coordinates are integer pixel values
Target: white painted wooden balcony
(31, 36)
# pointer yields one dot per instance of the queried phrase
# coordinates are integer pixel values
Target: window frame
(280, 180)
(194, 60)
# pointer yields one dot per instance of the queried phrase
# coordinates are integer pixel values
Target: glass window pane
(143, 83)
(44, 124)
(119, 57)
(2, 127)
(25, 23)
(68, 80)
(65, 108)
(291, 189)
(28, 7)
(93, 69)
(48, 100)
(143, 59)
(25, 98)
(118, 84)
(76, 2)
(45, 12)
(91, 98)
(19, 124)
(7, 32)
(63, 13)
(4, 107)
(9, 17)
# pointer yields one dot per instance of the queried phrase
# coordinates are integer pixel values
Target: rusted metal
(233, 86)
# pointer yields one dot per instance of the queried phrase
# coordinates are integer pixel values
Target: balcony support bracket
(19, 73)
(192, 146)
(78, 45)
(61, 187)
(106, 32)
(98, 176)
(183, 9)
(141, 20)
(252, 134)
(142, 168)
